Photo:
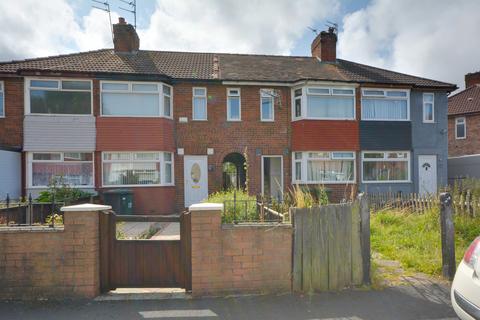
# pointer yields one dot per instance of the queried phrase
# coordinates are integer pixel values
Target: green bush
(245, 209)
(61, 192)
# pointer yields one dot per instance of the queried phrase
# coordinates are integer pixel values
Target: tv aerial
(106, 8)
(133, 10)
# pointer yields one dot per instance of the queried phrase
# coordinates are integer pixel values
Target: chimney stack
(125, 37)
(472, 79)
(324, 46)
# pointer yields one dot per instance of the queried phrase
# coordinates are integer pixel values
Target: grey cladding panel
(385, 135)
(59, 133)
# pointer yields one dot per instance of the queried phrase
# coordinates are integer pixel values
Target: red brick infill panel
(254, 258)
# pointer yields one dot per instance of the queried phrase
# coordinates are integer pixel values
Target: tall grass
(245, 208)
(415, 239)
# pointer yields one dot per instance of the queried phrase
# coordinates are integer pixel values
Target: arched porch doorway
(233, 171)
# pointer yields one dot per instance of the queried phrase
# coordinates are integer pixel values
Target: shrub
(244, 209)
(61, 192)
(307, 197)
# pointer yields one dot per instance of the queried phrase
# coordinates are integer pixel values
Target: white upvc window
(234, 105)
(297, 103)
(199, 104)
(428, 107)
(54, 96)
(267, 105)
(135, 99)
(323, 103)
(2, 99)
(333, 167)
(460, 128)
(137, 169)
(71, 168)
(386, 166)
(385, 104)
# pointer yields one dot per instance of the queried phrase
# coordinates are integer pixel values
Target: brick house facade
(299, 120)
(464, 130)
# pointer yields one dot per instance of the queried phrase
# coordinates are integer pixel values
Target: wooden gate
(331, 247)
(144, 263)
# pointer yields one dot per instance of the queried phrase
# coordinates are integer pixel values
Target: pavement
(428, 301)
(168, 231)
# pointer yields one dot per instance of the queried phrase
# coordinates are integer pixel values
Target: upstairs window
(297, 104)
(136, 99)
(2, 100)
(234, 109)
(324, 167)
(72, 168)
(428, 107)
(460, 128)
(267, 102)
(324, 103)
(67, 97)
(385, 105)
(199, 104)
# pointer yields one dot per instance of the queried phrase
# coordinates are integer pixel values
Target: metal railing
(249, 211)
(29, 212)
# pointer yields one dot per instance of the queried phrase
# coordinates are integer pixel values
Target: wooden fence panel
(327, 248)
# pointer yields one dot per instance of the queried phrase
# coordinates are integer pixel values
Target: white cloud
(435, 38)
(232, 26)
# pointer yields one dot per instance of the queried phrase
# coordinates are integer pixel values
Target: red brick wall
(468, 146)
(325, 135)
(227, 137)
(51, 263)
(134, 134)
(11, 127)
(239, 259)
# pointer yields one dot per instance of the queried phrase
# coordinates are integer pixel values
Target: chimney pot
(125, 37)
(472, 79)
(324, 46)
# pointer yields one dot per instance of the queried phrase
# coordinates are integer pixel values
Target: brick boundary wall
(255, 258)
(55, 263)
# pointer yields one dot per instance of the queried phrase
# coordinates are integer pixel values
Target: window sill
(59, 115)
(137, 185)
(130, 116)
(385, 182)
(268, 121)
(230, 120)
(385, 120)
(200, 120)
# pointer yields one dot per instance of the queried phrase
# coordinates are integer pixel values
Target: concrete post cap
(206, 207)
(86, 207)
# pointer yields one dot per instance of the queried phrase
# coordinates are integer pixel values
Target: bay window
(385, 105)
(136, 99)
(385, 166)
(137, 168)
(61, 97)
(324, 167)
(324, 103)
(72, 168)
(267, 103)
(2, 100)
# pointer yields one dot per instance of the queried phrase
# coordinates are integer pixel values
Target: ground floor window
(137, 168)
(386, 166)
(324, 167)
(71, 168)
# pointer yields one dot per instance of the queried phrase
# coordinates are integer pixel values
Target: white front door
(195, 173)
(427, 174)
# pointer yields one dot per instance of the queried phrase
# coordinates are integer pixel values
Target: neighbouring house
(464, 130)
(173, 127)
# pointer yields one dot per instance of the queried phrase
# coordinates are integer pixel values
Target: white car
(466, 285)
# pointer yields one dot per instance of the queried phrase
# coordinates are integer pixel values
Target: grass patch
(414, 239)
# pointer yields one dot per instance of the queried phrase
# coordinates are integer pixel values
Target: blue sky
(429, 38)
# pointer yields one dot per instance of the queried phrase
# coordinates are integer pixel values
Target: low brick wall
(42, 262)
(254, 258)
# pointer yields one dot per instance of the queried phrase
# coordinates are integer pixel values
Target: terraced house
(173, 127)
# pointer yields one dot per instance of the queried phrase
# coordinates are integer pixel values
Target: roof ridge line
(53, 56)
